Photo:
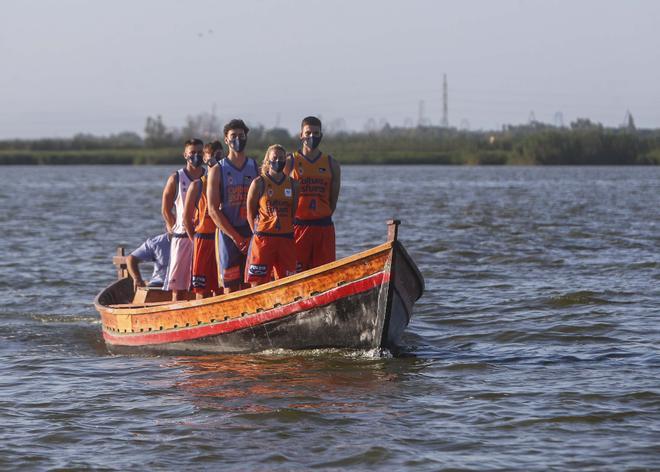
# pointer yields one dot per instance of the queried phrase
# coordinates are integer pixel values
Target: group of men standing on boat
(234, 224)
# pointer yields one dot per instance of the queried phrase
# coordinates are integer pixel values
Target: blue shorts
(231, 265)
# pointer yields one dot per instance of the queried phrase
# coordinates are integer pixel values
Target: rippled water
(535, 346)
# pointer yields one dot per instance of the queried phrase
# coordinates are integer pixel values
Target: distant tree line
(582, 143)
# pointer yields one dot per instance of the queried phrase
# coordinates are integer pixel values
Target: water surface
(535, 346)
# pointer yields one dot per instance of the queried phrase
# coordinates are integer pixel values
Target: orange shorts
(204, 267)
(315, 245)
(270, 257)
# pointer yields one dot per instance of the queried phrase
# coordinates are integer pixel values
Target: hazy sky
(102, 67)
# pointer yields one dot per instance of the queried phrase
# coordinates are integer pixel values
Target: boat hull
(361, 302)
(346, 323)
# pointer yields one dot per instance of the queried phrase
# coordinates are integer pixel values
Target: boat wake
(66, 318)
(376, 353)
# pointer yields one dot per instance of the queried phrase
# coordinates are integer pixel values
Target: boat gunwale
(186, 304)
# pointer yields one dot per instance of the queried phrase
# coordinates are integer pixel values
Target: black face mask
(312, 142)
(238, 144)
(196, 159)
(278, 165)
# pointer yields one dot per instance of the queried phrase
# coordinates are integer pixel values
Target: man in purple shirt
(156, 250)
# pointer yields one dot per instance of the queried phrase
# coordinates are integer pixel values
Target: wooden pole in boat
(393, 229)
(120, 261)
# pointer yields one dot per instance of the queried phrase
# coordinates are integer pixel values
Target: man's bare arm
(190, 207)
(288, 165)
(254, 192)
(213, 195)
(296, 190)
(336, 184)
(134, 271)
(167, 204)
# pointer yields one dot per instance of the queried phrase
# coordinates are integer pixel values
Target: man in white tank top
(178, 277)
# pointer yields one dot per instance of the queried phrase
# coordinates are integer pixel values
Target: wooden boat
(363, 301)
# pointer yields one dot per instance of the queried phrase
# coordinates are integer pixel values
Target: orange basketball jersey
(275, 215)
(315, 179)
(203, 222)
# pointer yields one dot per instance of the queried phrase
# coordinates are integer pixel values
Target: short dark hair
(213, 147)
(234, 124)
(310, 121)
(193, 142)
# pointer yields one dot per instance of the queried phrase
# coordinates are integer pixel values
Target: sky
(102, 67)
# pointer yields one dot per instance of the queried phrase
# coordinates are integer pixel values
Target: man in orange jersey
(319, 177)
(227, 190)
(201, 230)
(174, 196)
(271, 205)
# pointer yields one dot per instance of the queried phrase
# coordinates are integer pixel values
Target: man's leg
(180, 269)
(301, 235)
(204, 279)
(324, 245)
(259, 261)
(286, 258)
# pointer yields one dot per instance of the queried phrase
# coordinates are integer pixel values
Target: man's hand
(138, 283)
(242, 243)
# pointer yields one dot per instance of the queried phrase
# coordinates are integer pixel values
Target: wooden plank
(393, 230)
(119, 260)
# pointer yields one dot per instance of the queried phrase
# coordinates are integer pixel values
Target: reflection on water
(273, 382)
